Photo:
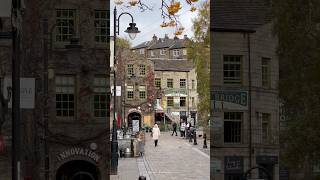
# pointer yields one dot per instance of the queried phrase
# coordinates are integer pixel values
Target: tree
(297, 25)
(169, 11)
(199, 53)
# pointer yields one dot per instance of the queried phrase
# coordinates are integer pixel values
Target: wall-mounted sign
(27, 92)
(5, 8)
(236, 100)
(135, 126)
(233, 164)
(176, 92)
(77, 151)
(118, 90)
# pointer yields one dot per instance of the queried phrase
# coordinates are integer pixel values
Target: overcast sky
(149, 22)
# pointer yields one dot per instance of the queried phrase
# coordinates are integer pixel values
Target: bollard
(132, 148)
(205, 141)
(195, 137)
(142, 178)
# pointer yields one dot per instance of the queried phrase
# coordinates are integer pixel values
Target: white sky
(149, 22)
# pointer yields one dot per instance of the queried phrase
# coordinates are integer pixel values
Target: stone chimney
(166, 36)
(185, 37)
(154, 38)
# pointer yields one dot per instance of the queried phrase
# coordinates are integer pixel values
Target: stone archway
(78, 170)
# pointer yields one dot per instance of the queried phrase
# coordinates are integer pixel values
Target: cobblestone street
(174, 159)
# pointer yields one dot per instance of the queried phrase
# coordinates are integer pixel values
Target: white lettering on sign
(78, 152)
(233, 165)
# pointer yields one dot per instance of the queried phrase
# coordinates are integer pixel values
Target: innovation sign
(237, 100)
(77, 151)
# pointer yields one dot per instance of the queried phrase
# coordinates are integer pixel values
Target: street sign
(27, 92)
(5, 8)
(118, 90)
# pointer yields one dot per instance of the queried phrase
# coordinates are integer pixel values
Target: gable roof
(239, 15)
(172, 65)
(180, 43)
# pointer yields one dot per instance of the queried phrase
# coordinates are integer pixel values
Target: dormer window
(151, 53)
(162, 52)
(141, 51)
(176, 53)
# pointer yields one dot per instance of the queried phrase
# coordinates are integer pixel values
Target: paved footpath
(174, 159)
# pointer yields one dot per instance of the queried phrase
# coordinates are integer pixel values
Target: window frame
(157, 80)
(183, 82)
(266, 68)
(171, 82)
(60, 20)
(232, 61)
(176, 53)
(236, 137)
(131, 92)
(163, 52)
(185, 101)
(142, 69)
(71, 87)
(103, 22)
(100, 90)
(141, 51)
(170, 100)
(130, 69)
(144, 92)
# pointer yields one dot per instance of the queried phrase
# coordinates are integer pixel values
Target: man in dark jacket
(174, 127)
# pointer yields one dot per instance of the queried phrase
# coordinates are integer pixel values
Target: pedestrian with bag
(174, 127)
(155, 134)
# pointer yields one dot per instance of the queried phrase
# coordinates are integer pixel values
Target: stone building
(175, 78)
(244, 90)
(71, 36)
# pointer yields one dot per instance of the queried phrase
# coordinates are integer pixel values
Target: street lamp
(132, 31)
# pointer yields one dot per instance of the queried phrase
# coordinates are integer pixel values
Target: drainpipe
(249, 102)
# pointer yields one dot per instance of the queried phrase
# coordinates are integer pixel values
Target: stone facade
(74, 128)
(233, 157)
(169, 57)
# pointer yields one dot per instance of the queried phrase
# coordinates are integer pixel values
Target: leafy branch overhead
(169, 11)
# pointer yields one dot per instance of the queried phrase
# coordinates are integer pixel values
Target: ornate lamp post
(132, 31)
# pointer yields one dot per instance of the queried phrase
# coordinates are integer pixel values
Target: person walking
(155, 134)
(174, 127)
(182, 129)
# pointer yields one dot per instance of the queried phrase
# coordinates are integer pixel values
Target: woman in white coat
(155, 134)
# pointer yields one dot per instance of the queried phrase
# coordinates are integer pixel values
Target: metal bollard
(195, 138)
(205, 140)
(142, 178)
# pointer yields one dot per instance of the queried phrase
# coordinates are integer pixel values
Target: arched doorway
(134, 116)
(78, 170)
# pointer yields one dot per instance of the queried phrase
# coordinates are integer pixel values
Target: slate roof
(179, 44)
(162, 43)
(172, 65)
(142, 45)
(239, 15)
